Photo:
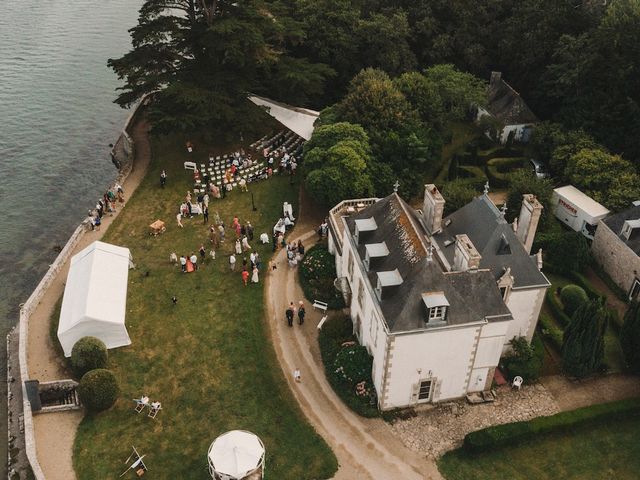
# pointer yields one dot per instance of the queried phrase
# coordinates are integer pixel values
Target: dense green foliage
(348, 366)
(550, 331)
(457, 194)
(98, 390)
(572, 297)
(523, 181)
(583, 340)
(566, 251)
(515, 433)
(87, 354)
(630, 337)
(317, 274)
(526, 359)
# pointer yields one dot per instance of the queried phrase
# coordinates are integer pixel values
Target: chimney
(528, 220)
(433, 208)
(496, 77)
(465, 257)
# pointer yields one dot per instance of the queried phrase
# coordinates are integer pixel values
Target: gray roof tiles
(616, 221)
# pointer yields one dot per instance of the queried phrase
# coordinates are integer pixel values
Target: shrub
(515, 433)
(317, 274)
(583, 340)
(98, 390)
(572, 297)
(550, 331)
(526, 360)
(556, 309)
(87, 354)
(346, 371)
(567, 251)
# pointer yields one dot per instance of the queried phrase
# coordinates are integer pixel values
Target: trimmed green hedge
(550, 331)
(556, 309)
(498, 169)
(572, 296)
(515, 433)
(317, 273)
(335, 332)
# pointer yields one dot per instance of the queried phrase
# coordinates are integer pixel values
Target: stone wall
(615, 257)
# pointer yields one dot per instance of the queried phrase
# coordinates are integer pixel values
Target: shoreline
(37, 357)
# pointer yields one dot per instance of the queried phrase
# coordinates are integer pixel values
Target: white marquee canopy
(235, 455)
(95, 297)
(297, 119)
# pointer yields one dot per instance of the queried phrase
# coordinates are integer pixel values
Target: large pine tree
(583, 341)
(630, 337)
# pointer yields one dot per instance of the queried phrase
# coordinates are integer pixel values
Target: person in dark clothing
(249, 231)
(301, 313)
(163, 179)
(223, 189)
(289, 314)
(275, 242)
(205, 214)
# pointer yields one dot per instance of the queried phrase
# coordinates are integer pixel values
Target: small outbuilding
(95, 297)
(236, 455)
(577, 210)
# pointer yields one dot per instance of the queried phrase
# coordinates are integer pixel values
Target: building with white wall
(436, 300)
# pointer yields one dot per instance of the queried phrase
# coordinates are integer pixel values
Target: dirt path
(366, 448)
(572, 394)
(55, 432)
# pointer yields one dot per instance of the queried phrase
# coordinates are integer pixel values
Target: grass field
(208, 359)
(610, 451)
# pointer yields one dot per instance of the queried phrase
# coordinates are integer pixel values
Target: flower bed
(317, 274)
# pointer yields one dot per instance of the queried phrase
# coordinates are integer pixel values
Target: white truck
(577, 210)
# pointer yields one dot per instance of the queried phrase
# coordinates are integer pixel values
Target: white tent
(236, 455)
(95, 297)
(297, 119)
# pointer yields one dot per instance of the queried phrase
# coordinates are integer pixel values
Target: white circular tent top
(235, 455)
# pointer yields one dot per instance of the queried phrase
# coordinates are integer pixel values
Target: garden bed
(317, 274)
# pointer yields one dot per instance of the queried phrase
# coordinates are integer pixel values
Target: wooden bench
(321, 305)
(322, 320)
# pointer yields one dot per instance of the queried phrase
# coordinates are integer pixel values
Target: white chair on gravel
(517, 382)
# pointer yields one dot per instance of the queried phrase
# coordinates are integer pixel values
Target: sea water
(57, 118)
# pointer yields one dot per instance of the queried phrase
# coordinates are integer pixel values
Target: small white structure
(95, 297)
(577, 210)
(236, 455)
(297, 119)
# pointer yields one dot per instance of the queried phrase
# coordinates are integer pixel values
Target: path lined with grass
(209, 359)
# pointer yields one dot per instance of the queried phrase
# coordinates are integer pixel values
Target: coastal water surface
(56, 122)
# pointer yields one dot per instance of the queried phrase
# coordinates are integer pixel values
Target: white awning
(95, 297)
(297, 119)
(236, 454)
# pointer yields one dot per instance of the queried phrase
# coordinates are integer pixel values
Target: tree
(98, 390)
(583, 340)
(457, 194)
(202, 57)
(571, 143)
(87, 354)
(572, 297)
(630, 337)
(556, 245)
(608, 179)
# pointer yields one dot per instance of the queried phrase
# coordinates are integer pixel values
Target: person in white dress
(245, 244)
(254, 276)
(238, 247)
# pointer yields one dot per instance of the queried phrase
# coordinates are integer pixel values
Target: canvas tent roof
(95, 296)
(236, 453)
(297, 119)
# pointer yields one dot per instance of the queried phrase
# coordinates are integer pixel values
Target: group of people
(279, 158)
(291, 312)
(106, 204)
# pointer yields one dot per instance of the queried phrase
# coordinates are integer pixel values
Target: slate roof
(494, 239)
(616, 221)
(506, 104)
(406, 239)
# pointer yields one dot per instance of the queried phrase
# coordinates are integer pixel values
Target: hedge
(87, 354)
(317, 273)
(474, 176)
(556, 309)
(572, 296)
(550, 331)
(515, 433)
(498, 171)
(98, 390)
(335, 332)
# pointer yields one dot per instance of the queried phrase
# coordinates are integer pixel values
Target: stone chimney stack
(528, 220)
(465, 256)
(433, 208)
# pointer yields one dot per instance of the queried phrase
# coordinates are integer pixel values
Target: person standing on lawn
(232, 262)
(254, 276)
(245, 276)
(183, 263)
(194, 261)
(249, 229)
(203, 253)
(163, 179)
(205, 214)
(301, 313)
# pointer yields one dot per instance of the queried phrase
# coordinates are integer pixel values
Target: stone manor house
(437, 300)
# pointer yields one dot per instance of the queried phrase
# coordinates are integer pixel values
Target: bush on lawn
(317, 273)
(98, 390)
(87, 354)
(550, 332)
(526, 360)
(346, 366)
(583, 339)
(572, 297)
(514, 433)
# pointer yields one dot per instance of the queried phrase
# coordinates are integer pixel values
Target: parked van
(538, 168)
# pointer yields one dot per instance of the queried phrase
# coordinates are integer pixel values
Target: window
(425, 390)
(360, 293)
(437, 313)
(350, 265)
(635, 289)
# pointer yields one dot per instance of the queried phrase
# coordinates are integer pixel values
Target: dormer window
(387, 283)
(628, 228)
(373, 253)
(436, 305)
(364, 226)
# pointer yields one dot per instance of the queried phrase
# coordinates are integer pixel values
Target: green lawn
(209, 359)
(610, 451)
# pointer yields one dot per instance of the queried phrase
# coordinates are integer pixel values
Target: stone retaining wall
(124, 151)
